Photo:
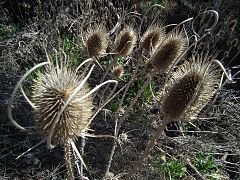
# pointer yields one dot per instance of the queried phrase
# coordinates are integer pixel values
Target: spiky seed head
(118, 71)
(153, 37)
(125, 41)
(167, 52)
(96, 40)
(51, 90)
(190, 88)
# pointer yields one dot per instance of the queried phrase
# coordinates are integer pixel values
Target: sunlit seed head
(51, 90)
(125, 41)
(118, 71)
(167, 52)
(180, 95)
(190, 88)
(154, 36)
(96, 40)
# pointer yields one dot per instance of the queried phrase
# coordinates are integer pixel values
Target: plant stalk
(148, 149)
(121, 119)
(68, 161)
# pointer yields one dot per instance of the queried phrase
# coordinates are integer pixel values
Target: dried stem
(200, 176)
(128, 84)
(121, 119)
(68, 161)
(148, 149)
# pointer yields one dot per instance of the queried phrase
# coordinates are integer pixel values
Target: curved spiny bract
(96, 40)
(190, 88)
(125, 42)
(50, 92)
(167, 52)
(153, 37)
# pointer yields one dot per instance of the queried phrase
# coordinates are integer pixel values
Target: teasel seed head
(96, 40)
(125, 41)
(190, 88)
(154, 36)
(51, 90)
(167, 52)
(118, 71)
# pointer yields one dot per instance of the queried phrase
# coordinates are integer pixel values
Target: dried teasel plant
(188, 90)
(173, 49)
(153, 37)
(167, 52)
(96, 40)
(125, 41)
(62, 105)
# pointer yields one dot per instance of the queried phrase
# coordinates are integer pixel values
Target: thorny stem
(147, 81)
(128, 85)
(121, 119)
(100, 108)
(68, 160)
(111, 93)
(113, 149)
(148, 149)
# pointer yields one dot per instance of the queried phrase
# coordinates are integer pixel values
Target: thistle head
(51, 90)
(190, 88)
(125, 41)
(167, 52)
(154, 36)
(118, 71)
(96, 40)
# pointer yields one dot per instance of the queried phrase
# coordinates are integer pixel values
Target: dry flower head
(50, 92)
(96, 40)
(125, 41)
(154, 36)
(167, 52)
(190, 88)
(118, 71)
